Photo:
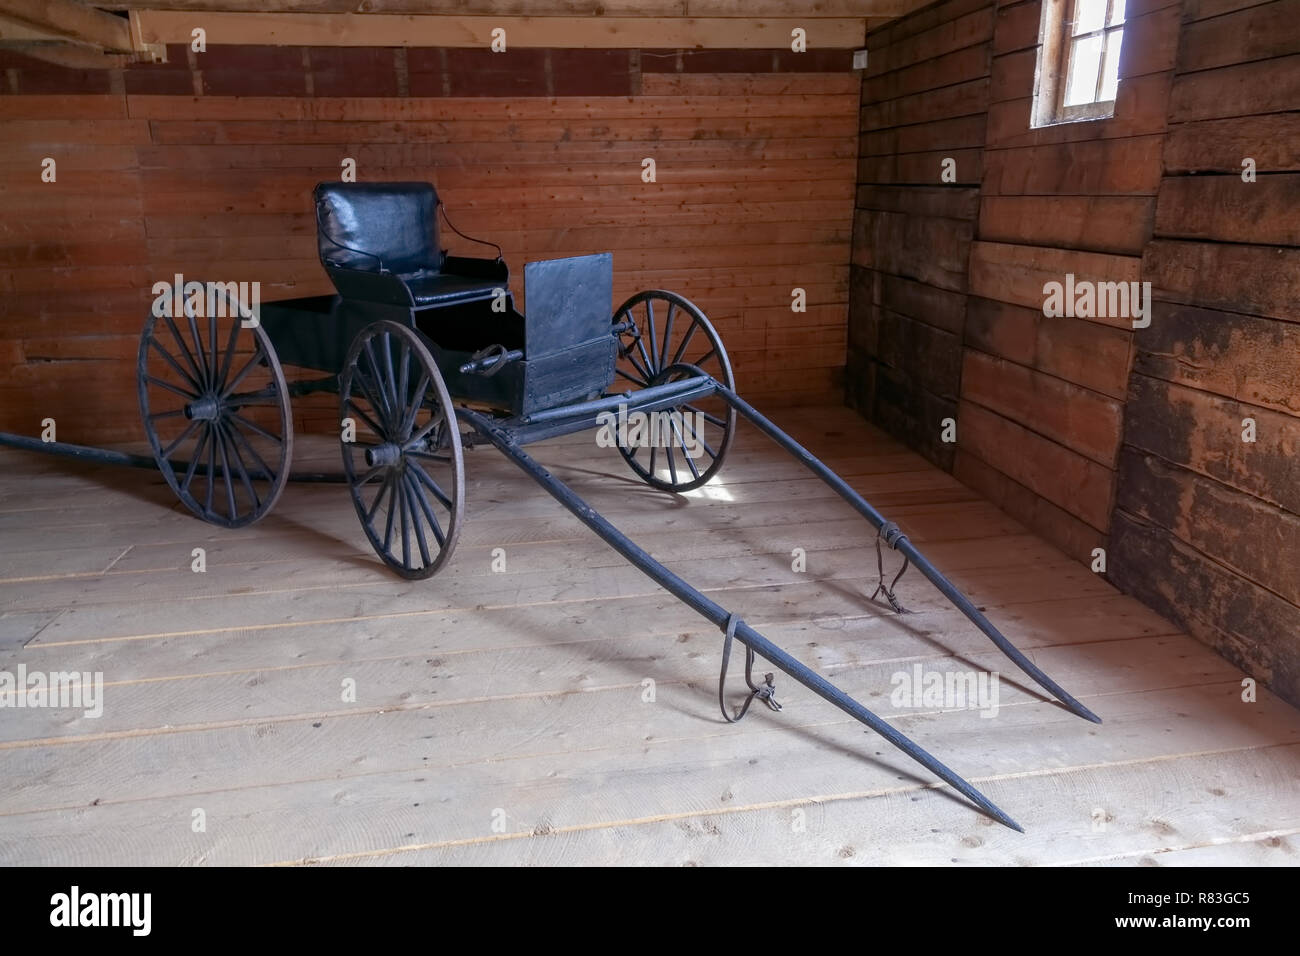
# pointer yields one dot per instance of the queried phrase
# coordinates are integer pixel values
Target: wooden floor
(501, 718)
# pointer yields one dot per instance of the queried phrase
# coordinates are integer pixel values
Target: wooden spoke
(428, 456)
(438, 493)
(668, 330)
(406, 521)
(212, 344)
(237, 436)
(429, 426)
(169, 387)
(408, 422)
(383, 489)
(200, 355)
(434, 526)
(167, 357)
(257, 358)
(681, 440)
(212, 469)
(390, 380)
(185, 351)
(698, 438)
(635, 380)
(225, 472)
(686, 340)
(253, 426)
(404, 371)
(388, 523)
(370, 422)
(189, 430)
(420, 538)
(370, 475)
(194, 461)
(655, 362)
(711, 419)
(233, 456)
(378, 398)
(229, 356)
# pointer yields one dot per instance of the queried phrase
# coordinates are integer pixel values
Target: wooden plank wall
(1207, 526)
(925, 96)
(1042, 398)
(1038, 401)
(205, 165)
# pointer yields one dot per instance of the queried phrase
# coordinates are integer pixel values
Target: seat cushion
(435, 288)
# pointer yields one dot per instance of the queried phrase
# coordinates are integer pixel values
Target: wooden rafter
(650, 9)
(70, 55)
(72, 22)
(343, 29)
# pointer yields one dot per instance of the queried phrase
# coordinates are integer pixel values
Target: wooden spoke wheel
(216, 411)
(405, 466)
(667, 339)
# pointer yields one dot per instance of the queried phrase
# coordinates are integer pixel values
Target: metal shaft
(719, 616)
(932, 574)
(106, 456)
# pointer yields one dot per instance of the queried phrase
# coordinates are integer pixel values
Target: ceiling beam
(71, 21)
(69, 55)
(375, 29)
(21, 32)
(658, 9)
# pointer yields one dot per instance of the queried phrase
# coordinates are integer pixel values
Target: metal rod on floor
(107, 456)
(900, 542)
(718, 615)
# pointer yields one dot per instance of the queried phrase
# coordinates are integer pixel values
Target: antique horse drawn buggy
(428, 352)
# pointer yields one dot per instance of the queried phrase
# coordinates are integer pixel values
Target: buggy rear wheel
(667, 338)
(215, 409)
(405, 467)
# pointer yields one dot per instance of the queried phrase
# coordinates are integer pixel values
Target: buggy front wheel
(402, 453)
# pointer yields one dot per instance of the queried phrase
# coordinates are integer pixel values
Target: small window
(1078, 61)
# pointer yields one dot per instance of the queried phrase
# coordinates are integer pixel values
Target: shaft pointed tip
(1004, 819)
(1086, 714)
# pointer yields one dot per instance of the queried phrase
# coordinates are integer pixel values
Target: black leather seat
(392, 229)
(442, 289)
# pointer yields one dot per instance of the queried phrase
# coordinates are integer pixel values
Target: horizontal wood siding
(204, 166)
(1076, 198)
(924, 98)
(1207, 525)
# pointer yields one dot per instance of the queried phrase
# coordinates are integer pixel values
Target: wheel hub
(386, 454)
(205, 409)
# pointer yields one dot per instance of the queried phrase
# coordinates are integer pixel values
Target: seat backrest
(370, 226)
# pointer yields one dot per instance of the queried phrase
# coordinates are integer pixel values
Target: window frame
(1055, 56)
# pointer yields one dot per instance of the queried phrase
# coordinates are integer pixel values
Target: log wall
(1202, 512)
(1095, 434)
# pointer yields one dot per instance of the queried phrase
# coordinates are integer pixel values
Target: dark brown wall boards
(924, 103)
(1207, 522)
(1096, 434)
